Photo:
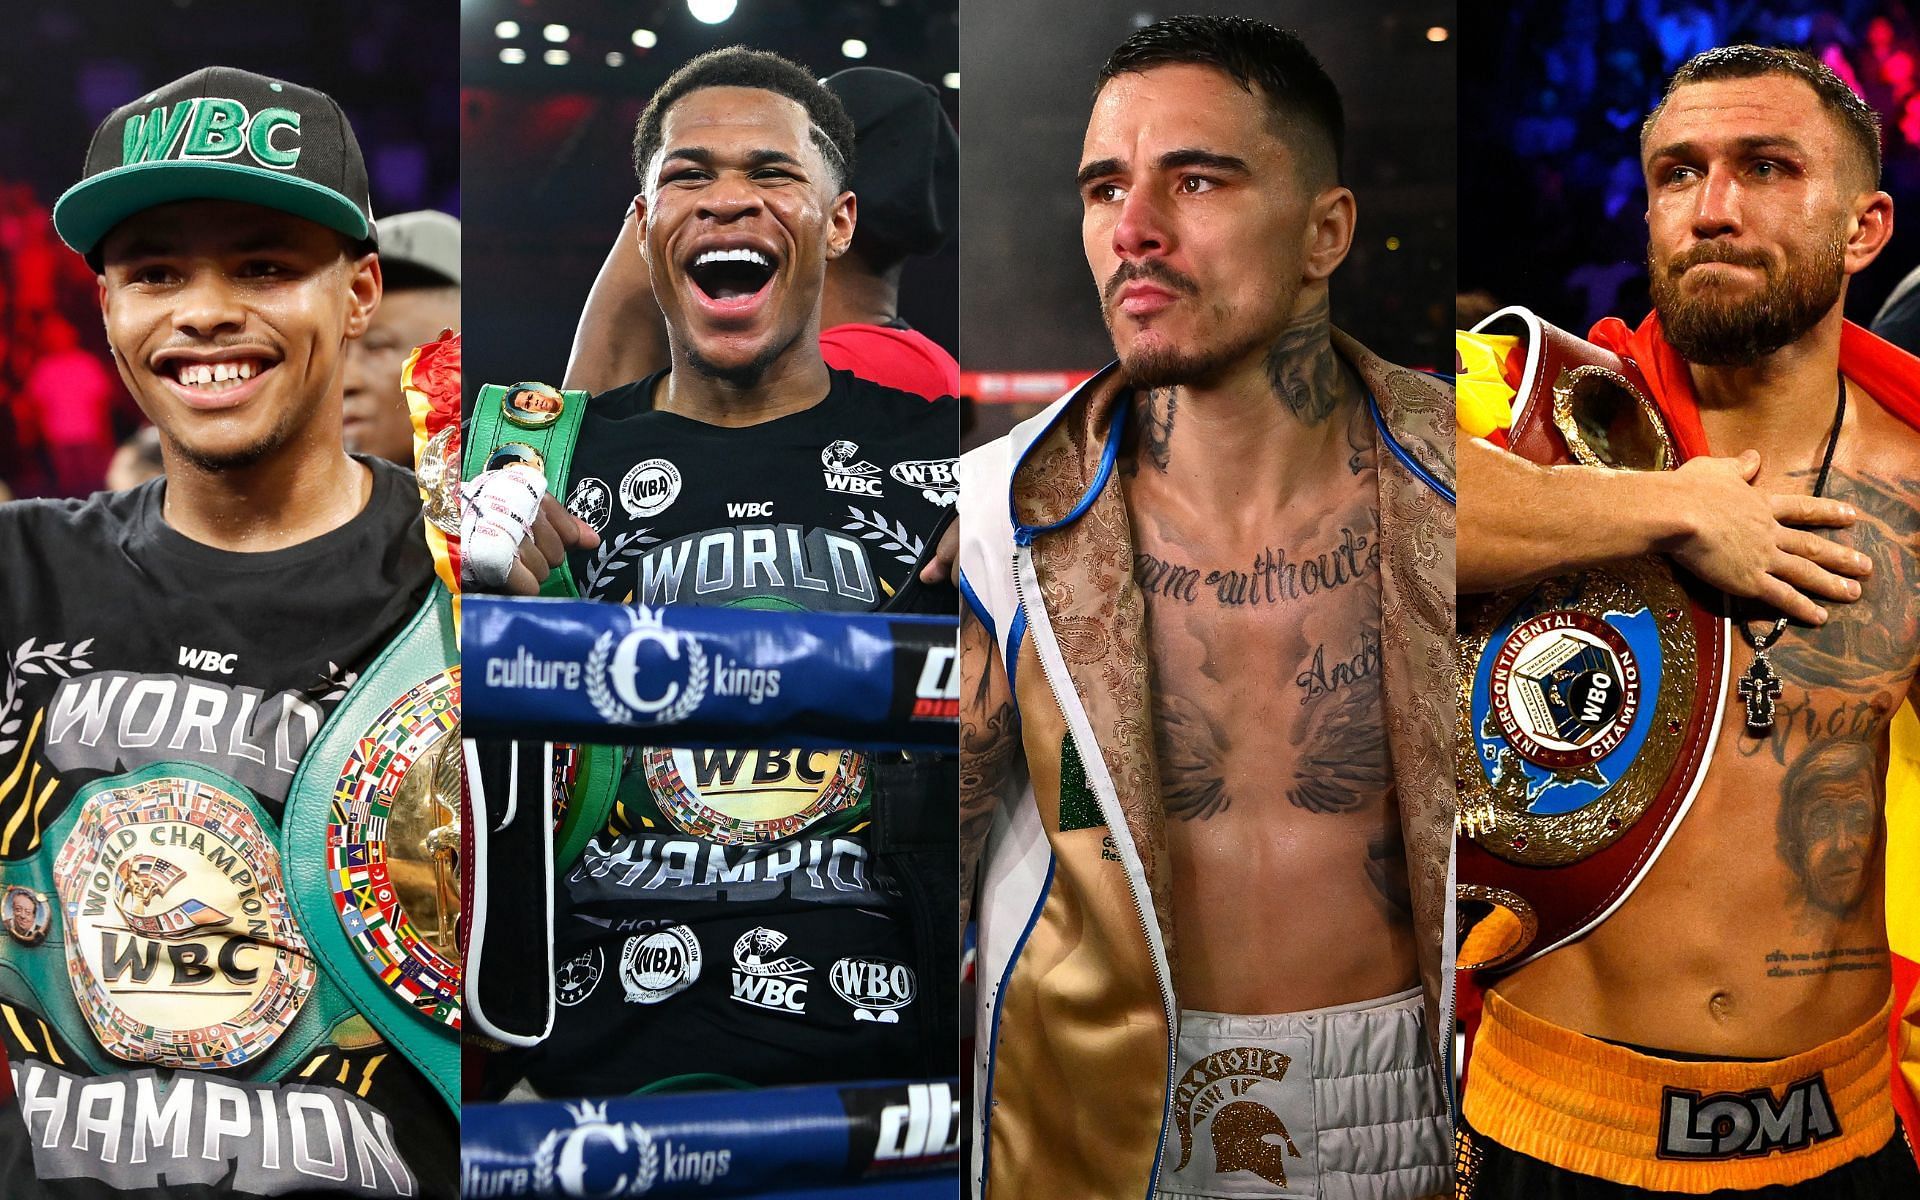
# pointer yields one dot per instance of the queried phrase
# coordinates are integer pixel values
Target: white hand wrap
(500, 507)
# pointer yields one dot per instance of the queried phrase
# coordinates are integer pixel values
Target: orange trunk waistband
(1597, 1109)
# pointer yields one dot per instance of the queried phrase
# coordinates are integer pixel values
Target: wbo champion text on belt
(591, 671)
(1589, 701)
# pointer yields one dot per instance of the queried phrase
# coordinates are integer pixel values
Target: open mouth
(731, 275)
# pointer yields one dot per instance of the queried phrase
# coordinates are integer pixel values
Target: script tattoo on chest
(1277, 575)
(1330, 736)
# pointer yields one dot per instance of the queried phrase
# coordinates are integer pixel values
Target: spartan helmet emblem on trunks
(1216, 1087)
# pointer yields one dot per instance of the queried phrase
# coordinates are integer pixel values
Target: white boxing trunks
(1342, 1103)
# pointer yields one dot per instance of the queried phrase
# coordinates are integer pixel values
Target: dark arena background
(1552, 201)
(63, 67)
(551, 91)
(1030, 319)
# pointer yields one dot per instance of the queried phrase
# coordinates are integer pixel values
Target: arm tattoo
(989, 748)
(1191, 749)
(1387, 872)
(1303, 370)
(1829, 823)
(1344, 760)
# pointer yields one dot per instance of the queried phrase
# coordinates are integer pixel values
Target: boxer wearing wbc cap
(172, 653)
(1205, 685)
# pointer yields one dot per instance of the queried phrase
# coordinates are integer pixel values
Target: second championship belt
(1589, 701)
(374, 830)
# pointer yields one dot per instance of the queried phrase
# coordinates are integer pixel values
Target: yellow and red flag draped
(431, 381)
(1903, 910)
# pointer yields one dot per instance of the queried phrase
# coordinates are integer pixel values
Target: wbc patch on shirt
(181, 945)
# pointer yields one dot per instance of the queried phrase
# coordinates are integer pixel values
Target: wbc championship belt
(1589, 701)
(374, 827)
(182, 928)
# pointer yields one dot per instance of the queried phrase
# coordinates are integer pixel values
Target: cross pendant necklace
(1760, 687)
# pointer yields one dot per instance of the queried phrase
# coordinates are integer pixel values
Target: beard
(1159, 364)
(1712, 328)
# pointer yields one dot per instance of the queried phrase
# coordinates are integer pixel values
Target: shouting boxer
(1205, 689)
(700, 933)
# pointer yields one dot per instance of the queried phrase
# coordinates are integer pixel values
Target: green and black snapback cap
(221, 134)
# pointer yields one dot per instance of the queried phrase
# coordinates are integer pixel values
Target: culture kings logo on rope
(181, 945)
(1565, 689)
(652, 674)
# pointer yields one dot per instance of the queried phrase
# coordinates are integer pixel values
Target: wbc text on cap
(210, 127)
(221, 133)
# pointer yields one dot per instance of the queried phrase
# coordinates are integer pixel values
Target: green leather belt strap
(39, 976)
(554, 442)
(491, 428)
(424, 649)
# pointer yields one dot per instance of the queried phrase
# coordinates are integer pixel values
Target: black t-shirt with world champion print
(127, 643)
(730, 921)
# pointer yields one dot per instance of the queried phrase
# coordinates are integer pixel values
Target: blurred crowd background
(1030, 312)
(63, 67)
(1552, 202)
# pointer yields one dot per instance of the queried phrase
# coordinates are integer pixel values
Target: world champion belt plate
(180, 943)
(1589, 701)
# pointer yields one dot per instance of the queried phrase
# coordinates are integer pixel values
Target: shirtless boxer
(1201, 771)
(1760, 933)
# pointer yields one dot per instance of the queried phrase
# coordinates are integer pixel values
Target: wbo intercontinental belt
(1589, 702)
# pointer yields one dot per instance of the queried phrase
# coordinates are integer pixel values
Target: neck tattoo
(1760, 687)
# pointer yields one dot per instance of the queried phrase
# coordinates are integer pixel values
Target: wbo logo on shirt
(209, 129)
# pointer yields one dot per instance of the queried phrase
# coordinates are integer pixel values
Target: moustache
(1155, 272)
(1708, 252)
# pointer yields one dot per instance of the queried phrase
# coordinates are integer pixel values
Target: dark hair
(737, 66)
(1264, 60)
(1857, 120)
